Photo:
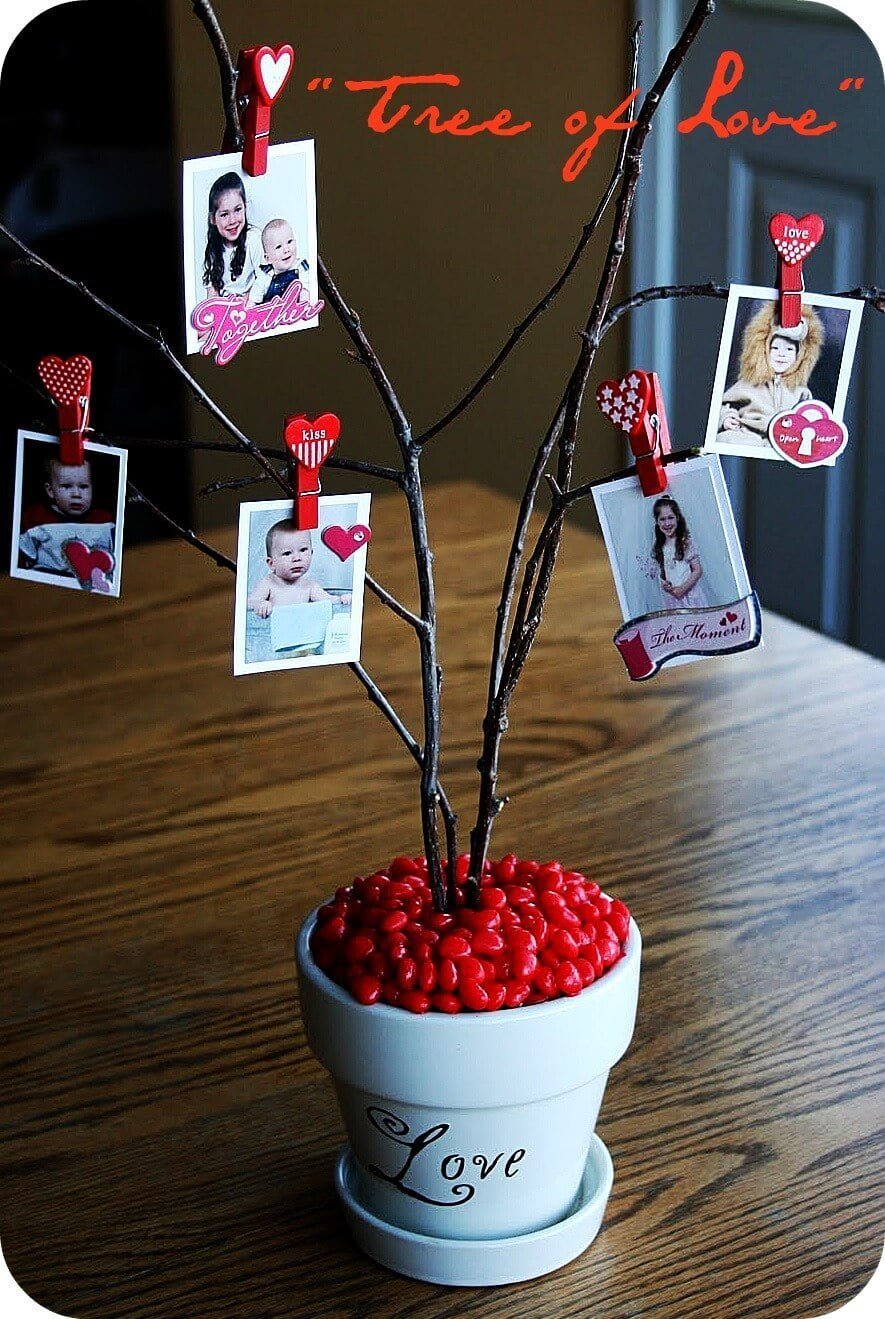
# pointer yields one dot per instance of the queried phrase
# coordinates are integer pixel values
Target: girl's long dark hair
(213, 265)
(681, 537)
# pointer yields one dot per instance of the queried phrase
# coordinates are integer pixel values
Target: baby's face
(291, 555)
(782, 355)
(280, 249)
(70, 488)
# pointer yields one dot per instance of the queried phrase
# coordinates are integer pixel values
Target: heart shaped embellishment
(625, 402)
(85, 561)
(272, 69)
(100, 581)
(808, 435)
(345, 541)
(311, 442)
(793, 238)
(66, 381)
(727, 617)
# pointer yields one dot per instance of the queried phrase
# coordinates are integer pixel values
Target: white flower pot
(472, 1157)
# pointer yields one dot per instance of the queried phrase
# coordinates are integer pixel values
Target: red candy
(539, 932)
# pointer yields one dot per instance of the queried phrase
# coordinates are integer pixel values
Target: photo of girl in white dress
(676, 550)
(676, 559)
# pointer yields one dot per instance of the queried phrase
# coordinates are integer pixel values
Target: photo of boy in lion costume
(775, 368)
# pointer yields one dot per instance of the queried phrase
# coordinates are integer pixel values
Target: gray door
(815, 541)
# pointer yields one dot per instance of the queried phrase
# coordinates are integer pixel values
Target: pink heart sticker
(100, 582)
(808, 435)
(85, 561)
(794, 239)
(345, 541)
(625, 402)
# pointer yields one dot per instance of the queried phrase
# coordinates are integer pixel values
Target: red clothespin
(636, 405)
(309, 444)
(262, 73)
(793, 241)
(69, 385)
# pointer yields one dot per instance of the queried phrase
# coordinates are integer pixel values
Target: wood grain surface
(167, 1141)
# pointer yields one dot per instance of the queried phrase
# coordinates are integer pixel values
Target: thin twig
(546, 300)
(221, 446)
(233, 136)
(874, 296)
(377, 697)
(393, 604)
(135, 496)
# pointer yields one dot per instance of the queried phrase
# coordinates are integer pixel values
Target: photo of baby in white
(676, 550)
(68, 517)
(298, 603)
(766, 368)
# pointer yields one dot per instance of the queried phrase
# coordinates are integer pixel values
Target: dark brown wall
(441, 244)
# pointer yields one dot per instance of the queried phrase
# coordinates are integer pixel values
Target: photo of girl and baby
(250, 238)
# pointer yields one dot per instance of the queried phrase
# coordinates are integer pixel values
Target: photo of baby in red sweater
(68, 517)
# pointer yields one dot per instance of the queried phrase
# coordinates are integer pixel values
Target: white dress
(678, 571)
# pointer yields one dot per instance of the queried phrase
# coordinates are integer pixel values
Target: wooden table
(168, 1141)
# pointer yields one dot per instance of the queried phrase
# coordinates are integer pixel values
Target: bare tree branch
(392, 603)
(507, 664)
(135, 496)
(542, 305)
(412, 487)
(377, 697)
(154, 338)
(233, 137)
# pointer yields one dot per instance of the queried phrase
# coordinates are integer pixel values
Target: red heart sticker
(272, 69)
(625, 402)
(727, 617)
(66, 382)
(345, 541)
(311, 442)
(793, 238)
(808, 435)
(85, 561)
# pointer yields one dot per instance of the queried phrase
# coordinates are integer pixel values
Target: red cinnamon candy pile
(540, 932)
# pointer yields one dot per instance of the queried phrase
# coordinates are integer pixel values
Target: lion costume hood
(808, 335)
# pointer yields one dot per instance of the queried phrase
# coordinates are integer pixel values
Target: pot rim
(553, 1008)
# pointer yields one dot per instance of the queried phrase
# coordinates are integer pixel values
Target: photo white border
(241, 665)
(708, 462)
(745, 449)
(50, 579)
(233, 160)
